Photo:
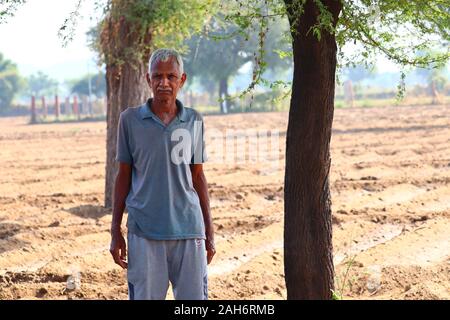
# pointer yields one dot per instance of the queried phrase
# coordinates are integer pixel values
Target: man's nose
(164, 82)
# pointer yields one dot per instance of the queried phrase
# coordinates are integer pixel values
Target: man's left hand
(210, 250)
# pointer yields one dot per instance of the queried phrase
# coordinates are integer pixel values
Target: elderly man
(160, 150)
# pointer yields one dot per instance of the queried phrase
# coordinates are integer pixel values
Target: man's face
(165, 80)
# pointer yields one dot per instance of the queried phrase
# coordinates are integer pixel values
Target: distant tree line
(13, 84)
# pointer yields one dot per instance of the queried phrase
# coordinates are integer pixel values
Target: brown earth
(390, 192)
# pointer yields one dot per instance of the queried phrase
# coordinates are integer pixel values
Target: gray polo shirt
(162, 203)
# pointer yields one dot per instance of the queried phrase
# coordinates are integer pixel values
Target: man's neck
(164, 106)
(165, 111)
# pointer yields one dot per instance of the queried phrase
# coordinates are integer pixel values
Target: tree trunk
(225, 94)
(308, 256)
(125, 87)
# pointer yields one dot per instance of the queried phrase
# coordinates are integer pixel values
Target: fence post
(44, 107)
(91, 111)
(84, 103)
(56, 107)
(67, 105)
(349, 95)
(33, 109)
(76, 110)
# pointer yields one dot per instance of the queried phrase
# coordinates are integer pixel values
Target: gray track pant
(153, 263)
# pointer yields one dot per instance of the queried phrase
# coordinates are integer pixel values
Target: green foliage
(335, 295)
(272, 100)
(397, 29)
(263, 18)
(325, 20)
(433, 75)
(97, 83)
(401, 88)
(217, 54)
(8, 7)
(67, 31)
(144, 25)
(366, 29)
(10, 82)
(338, 104)
(338, 294)
(41, 84)
(213, 56)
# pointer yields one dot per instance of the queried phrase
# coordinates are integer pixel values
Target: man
(160, 150)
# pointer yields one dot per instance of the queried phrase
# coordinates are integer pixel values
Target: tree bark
(308, 256)
(125, 87)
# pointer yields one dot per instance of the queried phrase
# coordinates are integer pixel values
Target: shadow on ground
(7, 232)
(90, 211)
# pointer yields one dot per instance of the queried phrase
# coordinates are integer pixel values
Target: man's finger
(121, 262)
(123, 257)
(118, 259)
(123, 252)
(210, 254)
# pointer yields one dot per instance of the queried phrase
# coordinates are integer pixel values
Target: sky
(30, 39)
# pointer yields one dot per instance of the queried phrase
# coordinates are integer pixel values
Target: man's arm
(201, 186)
(118, 246)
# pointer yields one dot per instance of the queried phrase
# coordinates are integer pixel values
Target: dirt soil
(390, 183)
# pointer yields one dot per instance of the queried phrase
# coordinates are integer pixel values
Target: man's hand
(210, 250)
(118, 248)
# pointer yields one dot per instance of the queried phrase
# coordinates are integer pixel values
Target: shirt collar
(146, 111)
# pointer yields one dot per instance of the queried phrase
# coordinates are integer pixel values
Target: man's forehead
(170, 65)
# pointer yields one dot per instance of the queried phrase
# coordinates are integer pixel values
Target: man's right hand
(118, 248)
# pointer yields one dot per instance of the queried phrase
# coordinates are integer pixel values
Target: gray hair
(165, 54)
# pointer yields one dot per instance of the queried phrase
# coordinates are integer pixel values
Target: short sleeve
(123, 145)
(199, 153)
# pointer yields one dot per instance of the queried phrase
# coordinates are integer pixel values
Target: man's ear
(183, 79)
(149, 80)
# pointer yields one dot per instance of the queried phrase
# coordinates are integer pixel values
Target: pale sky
(30, 39)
